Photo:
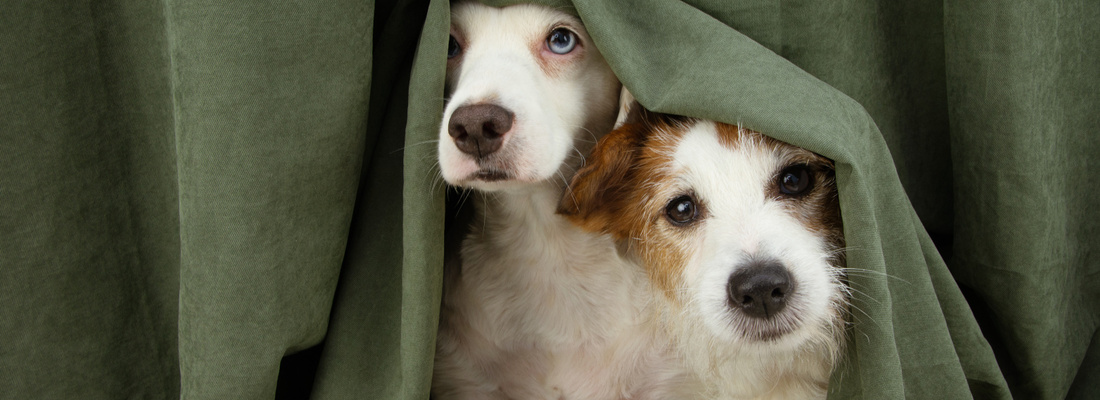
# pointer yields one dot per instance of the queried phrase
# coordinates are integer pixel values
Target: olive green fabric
(237, 199)
(186, 188)
(1024, 108)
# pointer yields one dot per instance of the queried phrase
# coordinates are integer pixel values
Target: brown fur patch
(620, 192)
(731, 136)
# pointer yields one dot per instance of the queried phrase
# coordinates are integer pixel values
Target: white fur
(539, 309)
(744, 221)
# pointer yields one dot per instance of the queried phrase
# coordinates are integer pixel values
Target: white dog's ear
(626, 103)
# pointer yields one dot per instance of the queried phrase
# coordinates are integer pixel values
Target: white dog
(538, 309)
(741, 233)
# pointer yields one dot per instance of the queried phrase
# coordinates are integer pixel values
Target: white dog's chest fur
(544, 310)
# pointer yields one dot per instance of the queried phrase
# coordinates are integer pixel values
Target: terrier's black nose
(478, 130)
(760, 289)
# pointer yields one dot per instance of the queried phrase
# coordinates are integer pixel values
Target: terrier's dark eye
(795, 180)
(681, 210)
(453, 48)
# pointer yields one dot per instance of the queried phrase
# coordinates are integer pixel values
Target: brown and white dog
(741, 234)
(537, 308)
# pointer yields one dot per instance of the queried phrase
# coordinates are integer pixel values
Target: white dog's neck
(531, 209)
(533, 247)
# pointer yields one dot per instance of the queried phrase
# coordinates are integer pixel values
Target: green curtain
(191, 191)
(236, 199)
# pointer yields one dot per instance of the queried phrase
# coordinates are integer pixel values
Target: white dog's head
(528, 91)
(741, 232)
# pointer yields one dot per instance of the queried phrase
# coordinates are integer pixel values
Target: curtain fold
(377, 343)
(89, 239)
(238, 199)
(269, 103)
(178, 183)
(1024, 106)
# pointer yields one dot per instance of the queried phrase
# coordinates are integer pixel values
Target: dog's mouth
(768, 334)
(768, 330)
(491, 175)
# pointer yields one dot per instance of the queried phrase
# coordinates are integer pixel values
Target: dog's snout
(478, 130)
(760, 289)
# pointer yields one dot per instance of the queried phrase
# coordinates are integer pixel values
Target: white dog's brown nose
(478, 130)
(760, 289)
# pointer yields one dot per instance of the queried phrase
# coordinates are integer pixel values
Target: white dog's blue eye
(453, 48)
(561, 41)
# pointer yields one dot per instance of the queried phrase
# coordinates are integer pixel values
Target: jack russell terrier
(740, 234)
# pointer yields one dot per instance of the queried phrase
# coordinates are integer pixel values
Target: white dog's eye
(453, 48)
(561, 41)
(795, 180)
(681, 210)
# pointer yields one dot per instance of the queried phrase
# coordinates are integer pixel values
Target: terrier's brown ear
(603, 184)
